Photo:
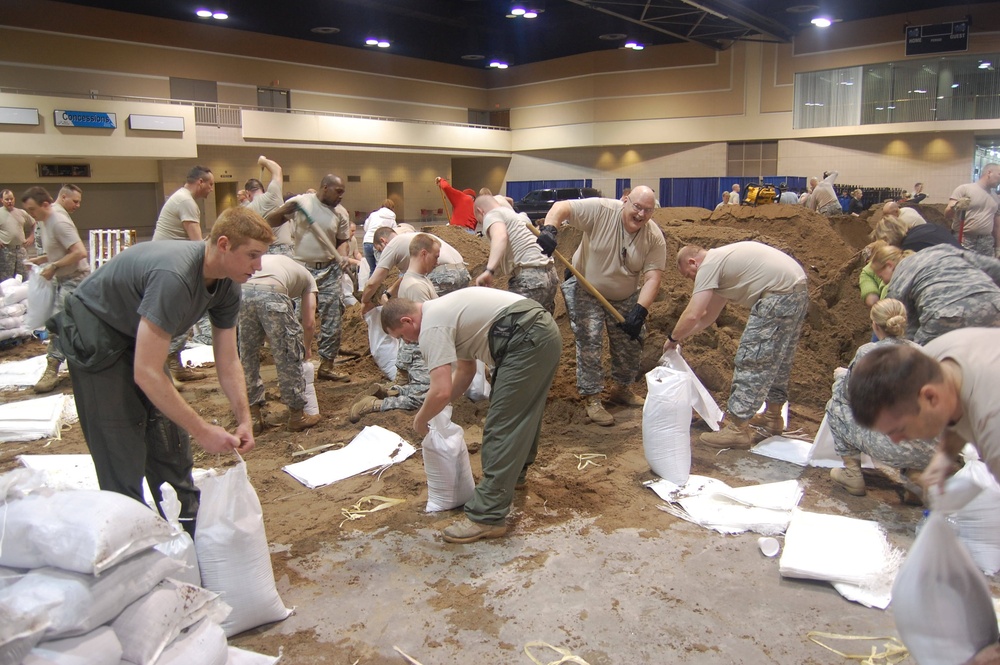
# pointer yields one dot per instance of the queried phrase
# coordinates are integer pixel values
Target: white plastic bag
(312, 403)
(480, 388)
(384, 348)
(446, 462)
(666, 424)
(701, 400)
(978, 521)
(233, 552)
(41, 299)
(98, 647)
(180, 547)
(204, 643)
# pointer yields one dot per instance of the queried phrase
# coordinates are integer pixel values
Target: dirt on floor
(309, 522)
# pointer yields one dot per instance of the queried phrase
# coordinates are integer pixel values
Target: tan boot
(382, 390)
(327, 372)
(622, 394)
(299, 420)
(770, 420)
(597, 414)
(734, 434)
(850, 477)
(50, 377)
(182, 373)
(465, 530)
(257, 418)
(402, 377)
(367, 404)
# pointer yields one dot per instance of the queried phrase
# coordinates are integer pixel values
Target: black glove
(632, 325)
(547, 240)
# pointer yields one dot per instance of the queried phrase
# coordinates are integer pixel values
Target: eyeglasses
(639, 209)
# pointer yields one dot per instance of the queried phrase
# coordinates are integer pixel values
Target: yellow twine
(895, 651)
(356, 512)
(567, 655)
(586, 459)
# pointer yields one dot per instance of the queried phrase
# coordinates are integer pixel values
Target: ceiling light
(954, 85)
(635, 46)
(985, 64)
(473, 56)
(879, 108)
(531, 13)
(383, 43)
(822, 22)
(630, 44)
(222, 16)
(325, 30)
(613, 36)
(498, 64)
(847, 83)
(204, 13)
(518, 11)
(920, 92)
(371, 41)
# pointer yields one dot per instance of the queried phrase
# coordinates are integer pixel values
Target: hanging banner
(85, 119)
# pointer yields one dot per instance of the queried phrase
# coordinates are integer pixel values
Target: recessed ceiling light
(822, 22)
(222, 16)
(473, 56)
(204, 13)
(613, 36)
(325, 30)
(985, 64)
(954, 85)
(531, 13)
(371, 41)
(383, 44)
(920, 92)
(498, 64)
(518, 11)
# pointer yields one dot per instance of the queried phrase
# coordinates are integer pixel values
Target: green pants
(525, 344)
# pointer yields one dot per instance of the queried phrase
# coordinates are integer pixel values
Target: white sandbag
(10, 322)
(77, 603)
(180, 547)
(233, 552)
(15, 333)
(666, 424)
(940, 600)
(243, 657)
(480, 388)
(19, 631)
(98, 647)
(978, 520)
(312, 403)
(347, 291)
(204, 644)
(148, 625)
(41, 299)
(383, 347)
(86, 531)
(9, 287)
(446, 462)
(17, 309)
(15, 294)
(701, 400)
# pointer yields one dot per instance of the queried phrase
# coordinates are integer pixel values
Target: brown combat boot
(402, 377)
(257, 418)
(327, 372)
(622, 394)
(299, 420)
(465, 530)
(182, 373)
(850, 477)
(597, 414)
(770, 420)
(734, 434)
(50, 377)
(382, 390)
(367, 404)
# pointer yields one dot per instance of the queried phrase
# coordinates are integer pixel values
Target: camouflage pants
(265, 313)
(411, 395)
(11, 262)
(330, 309)
(831, 209)
(767, 348)
(538, 283)
(22, 263)
(64, 287)
(449, 277)
(589, 319)
(281, 248)
(850, 439)
(980, 310)
(980, 244)
(201, 332)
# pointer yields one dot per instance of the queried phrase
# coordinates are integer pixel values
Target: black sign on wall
(939, 38)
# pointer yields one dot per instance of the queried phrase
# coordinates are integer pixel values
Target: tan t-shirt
(977, 353)
(11, 228)
(179, 208)
(417, 288)
(612, 259)
(287, 272)
(58, 235)
(267, 200)
(744, 271)
(910, 217)
(522, 247)
(318, 229)
(456, 326)
(982, 209)
(397, 253)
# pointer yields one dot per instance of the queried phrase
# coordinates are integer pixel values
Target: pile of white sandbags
(13, 307)
(90, 576)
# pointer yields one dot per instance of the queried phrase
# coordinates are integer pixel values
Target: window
(490, 118)
(752, 159)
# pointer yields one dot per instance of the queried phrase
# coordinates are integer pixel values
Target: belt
(518, 269)
(270, 288)
(318, 265)
(800, 286)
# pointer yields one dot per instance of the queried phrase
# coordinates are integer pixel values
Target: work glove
(632, 325)
(963, 203)
(547, 240)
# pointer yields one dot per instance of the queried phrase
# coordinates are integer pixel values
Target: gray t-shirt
(161, 282)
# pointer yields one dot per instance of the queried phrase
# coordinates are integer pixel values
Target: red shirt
(462, 213)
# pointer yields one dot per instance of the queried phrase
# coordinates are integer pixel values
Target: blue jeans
(369, 252)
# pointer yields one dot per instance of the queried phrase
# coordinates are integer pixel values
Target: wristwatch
(671, 338)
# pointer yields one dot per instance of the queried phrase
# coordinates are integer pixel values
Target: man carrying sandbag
(521, 340)
(773, 285)
(115, 331)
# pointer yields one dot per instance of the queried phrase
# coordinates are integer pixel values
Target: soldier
(267, 311)
(64, 259)
(823, 197)
(773, 285)
(973, 209)
(12, 226)
(449, 275)
(943, 288)
(416, 286)
(621, 251)
(321, 229)
(514, 251)
(263, 201)
(521, 340)
(909, 216)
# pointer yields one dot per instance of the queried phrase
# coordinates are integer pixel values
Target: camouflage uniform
(411, 395)
(21, 263)
(281, 248)
(850, 438)
(448, 277)
(539, 283)
(201, 332)
(980, 244)
(330, 308)
(11, 261)
(64, 287)
(945, 288)
(767, 348)
(588, 318)
(268, 313)
(831, 209)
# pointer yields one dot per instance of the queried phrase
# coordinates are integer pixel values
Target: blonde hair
(886, 253)
(890, 315)
(892, 230)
